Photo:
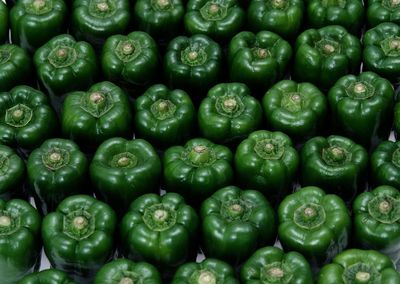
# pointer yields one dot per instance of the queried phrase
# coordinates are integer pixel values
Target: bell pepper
(239, 219)
(362, 108)
(48, 276)
(324, 55)
(130, 59)
(93, 116)
(164, 117)
(78, 237)
(385, 164)
(258, 60)
(12, 169)
(266, 161)
(336, 164)
(359, 266)
(27, 118)
(34, 22)
(219, 19)
(56, 169)
(297, 109)
(125, 271)
(64, 65)
(397, 119)
(19, 240)
(161, 230)
(207, 271)
(272, 265)
(3, 23)
(122, 170)
(314, 224)
(197, 169)
(382, 11)
(229, 113)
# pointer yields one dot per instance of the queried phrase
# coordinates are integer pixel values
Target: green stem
(18, 116)
(269, 149)
(124, 160)
(396, 157)
(199, 155)
(158, 217)
(335, 155)
(55, 158)
(163, 109)
(309, 216)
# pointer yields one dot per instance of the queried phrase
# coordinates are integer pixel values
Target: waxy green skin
(20, 242)
(348, 265)
(79, 252)
(118, 270)
(385, 164)
(197, 169)
(93, 116)
(54, 178)
(220, 20)
(119, 182)
(295, 268)
(3, 22)
(37, 122)
(297, 109)
(164, 117)
(320, 237)
(379, 11)
(34, 22)
(324, 55)
(239, 219)
(361, 107)
(397, 119)
(229, 113)
(12, 172)
(48, 276)
(166, 243)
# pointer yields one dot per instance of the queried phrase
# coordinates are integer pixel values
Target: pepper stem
(128, 48)
(18, 114)
(55, 157)
(309, 212)
(123, 161)
(80, 222)
(207, 277)
(394, 3)
(214, 9)
(262, 53)
(385, 207)
(193, 55)
(363, 276)
(360, 88)
(162, 3)
(394, 44)
(278, 3)
(328, 48)
(5, 221)
(126, 280)
(160, 215)
(269, 148)
(96, 97)
(276, 272)
(103, 7)
(61, 53)
(39, 4)
(230, 103)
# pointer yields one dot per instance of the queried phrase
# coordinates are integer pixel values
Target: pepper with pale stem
(126, 280)
(103, 7)
(5, 221)
(276, 272)
(230, 104)
(128, 48)
(80, 222)
(363, 276)
(360, 88)
(206, 277)
(39, 4)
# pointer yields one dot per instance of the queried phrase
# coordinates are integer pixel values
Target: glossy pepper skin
(19, 240)
(164, 117)
(160, 229)
(359, 266)
(239, 219)
(324, 55)
(229, 113)
(314, 224)
(12, 169)
(382, 11)
(34, 22)
(78, 236)
(122, 170)
(297, 109)
(48, 276)
(397, 119)
(27, 118)
(3, 23)
(362, 108)
(385, 164)
(273, 265)
(93, 116)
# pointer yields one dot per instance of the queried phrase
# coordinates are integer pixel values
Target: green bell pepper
(197, 169)
(397, 119)
(272, 265)
(297, 109)
(78, 236)
(19, 240)
(34, 22)
(359, 266)
(56, 170)
(207, 271)
(219, 19)
(125, 271)
(362, 108)
(314, 224)
(266, 161)
(64, 65)
(385, 164)
(236, 223)
(93, 116)
(27, 118)
(48, 276)
(3, 22)
(164, 117)
(323, 56)
(122, 170)
(12, 169)
(379, 11)
(336, 164)
(229, 113)
(160, 229)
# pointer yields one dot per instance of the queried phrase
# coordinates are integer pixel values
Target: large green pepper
(239, 219)
(3, 22)
(48, 276)
(385, 164)
(362, 107)
(27, 118)
(379, 11)
(56, 170)
(122, 170)
(297, 109)
(34, 22)
(272, 265)
(78, 236)
(314, 224)
(19, 240)
(324, 55)
(397, 119)
(12, 169)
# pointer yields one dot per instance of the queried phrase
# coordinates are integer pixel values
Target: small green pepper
(48, 276)
(379, 11)
(12, 169)
(385, 164)
(3, 22)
